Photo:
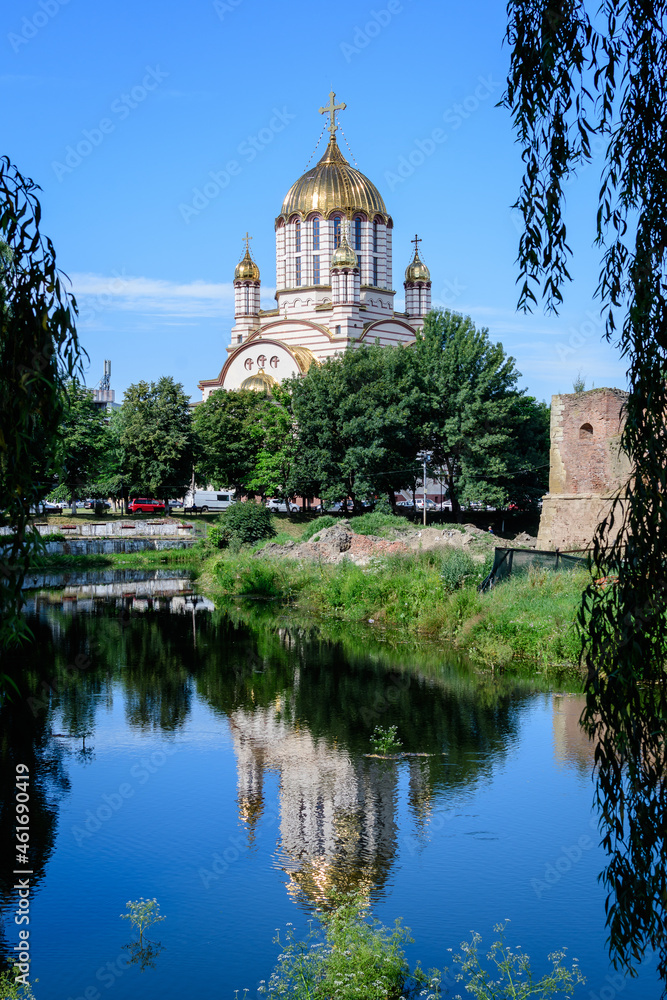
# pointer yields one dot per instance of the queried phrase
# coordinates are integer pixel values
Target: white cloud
(98, 293)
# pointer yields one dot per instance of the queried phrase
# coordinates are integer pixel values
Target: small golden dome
(344, 255)
(417, 270)
(246, 269)
(260, 381)
(333, 184)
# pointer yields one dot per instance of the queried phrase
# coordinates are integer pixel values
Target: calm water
(220, 767)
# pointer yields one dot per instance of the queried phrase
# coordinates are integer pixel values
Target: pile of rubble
(340, 542)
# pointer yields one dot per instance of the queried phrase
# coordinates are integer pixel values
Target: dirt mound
(524, 541)
(340, 542)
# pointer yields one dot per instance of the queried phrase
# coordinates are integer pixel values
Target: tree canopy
(578, 71)
(490, 440)
(156, 438)
(81, 441)
(228, 439)
(357, 423)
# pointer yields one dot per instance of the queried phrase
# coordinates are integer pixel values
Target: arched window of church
(316, 234)
(261, 360)
(357, 233)
(375, 235)
(316, 269)
(248, 364)
(375, 271)
(337, 231)
(297, 236)
(297, 261)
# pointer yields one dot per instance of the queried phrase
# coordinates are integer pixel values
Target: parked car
(280, 507)
(203, 501)
(430, 504)
(142, 505)
(174, 504)
(91, 504)
(46, 507)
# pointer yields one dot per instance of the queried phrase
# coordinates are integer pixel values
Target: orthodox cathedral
(333, 279)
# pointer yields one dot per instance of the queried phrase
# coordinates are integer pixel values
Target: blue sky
(161, 132)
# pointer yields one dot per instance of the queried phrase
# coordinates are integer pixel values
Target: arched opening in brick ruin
(585, 432)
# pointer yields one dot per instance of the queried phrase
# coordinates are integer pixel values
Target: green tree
(157, 438)
(39, 350)
(110, 480)
(228, 441)
(276, 468)
(472, 416)
(577, 72)
(356, 416)
(81, 441)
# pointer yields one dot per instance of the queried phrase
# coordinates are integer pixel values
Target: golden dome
(333, 184)
(246, 269)
(344, 255)
(260, 381)
(417, 270)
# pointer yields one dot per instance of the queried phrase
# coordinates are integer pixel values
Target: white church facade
(333, 279)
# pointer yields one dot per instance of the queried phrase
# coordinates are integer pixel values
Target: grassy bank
(529, 618)
(192, 558)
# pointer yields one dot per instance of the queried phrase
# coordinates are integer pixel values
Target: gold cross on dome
(331, 110)
(247, 241)
(417, 240)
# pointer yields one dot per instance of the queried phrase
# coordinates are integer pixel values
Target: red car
(144, 506)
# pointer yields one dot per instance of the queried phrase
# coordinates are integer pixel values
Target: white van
(203, 501)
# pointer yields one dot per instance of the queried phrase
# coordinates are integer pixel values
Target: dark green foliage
(357, 432)
(245, 522)
(156, 439)
(488, 439)
(228, 442)
(82, 441)
(39, 351)
(577, 72)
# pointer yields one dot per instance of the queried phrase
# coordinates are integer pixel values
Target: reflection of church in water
(333, 279)
(337, 813)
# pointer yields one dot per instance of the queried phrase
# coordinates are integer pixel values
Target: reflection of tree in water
(143, 955)
(24, 739)
(309, 717)
(298, 704)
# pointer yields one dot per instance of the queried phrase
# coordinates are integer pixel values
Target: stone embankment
(114, 529)
(339, 543)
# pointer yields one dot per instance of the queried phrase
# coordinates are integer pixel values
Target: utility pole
(424, 455)
(424, 488)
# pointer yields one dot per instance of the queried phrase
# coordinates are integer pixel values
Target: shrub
(323, 522)
(10, 989)
(382, 506)
(243, 523)
(457, 566)
(347, 957)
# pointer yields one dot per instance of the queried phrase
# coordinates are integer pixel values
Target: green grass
(527, 619)
(376, 523)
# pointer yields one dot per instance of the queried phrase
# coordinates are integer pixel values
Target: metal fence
(508, 561)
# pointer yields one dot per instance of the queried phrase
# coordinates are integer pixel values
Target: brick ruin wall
(587, 467)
